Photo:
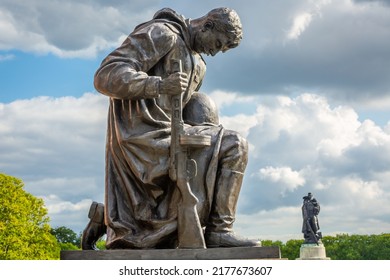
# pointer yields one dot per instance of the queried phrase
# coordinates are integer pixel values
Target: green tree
(269, 243)
(378, 247)
(101, 244)
(291, 249)
(24, 224)
(67, 238)
(358, 247)
(345, 247)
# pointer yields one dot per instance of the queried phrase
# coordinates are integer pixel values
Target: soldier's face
(211, 41)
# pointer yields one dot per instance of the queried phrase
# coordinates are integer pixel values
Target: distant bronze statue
(173, 173)
(311, 228)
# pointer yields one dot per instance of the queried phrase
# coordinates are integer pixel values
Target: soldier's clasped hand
(174, 84)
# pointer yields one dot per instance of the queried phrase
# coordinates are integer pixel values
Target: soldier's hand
(174, 84)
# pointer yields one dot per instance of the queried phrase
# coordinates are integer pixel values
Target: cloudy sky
(308, 87)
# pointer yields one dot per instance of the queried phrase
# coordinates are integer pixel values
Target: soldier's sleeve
(123, 73)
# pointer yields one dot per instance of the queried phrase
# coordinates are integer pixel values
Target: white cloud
(306, 123)
(304, 145)
(373, 134)
(6, 57)
(282, 224)
(69, 29)
(66, 213)
(223, 98)
(301, 144)
(300, 23)
(240, 123)
(285, 176)
(56, 146)
(56, 206)
(340, 47)
(70, 188)
(303, 19)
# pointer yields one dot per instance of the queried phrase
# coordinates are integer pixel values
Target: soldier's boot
(219, 231)
(95, 228)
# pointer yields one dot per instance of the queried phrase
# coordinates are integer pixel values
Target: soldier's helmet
(200, 109)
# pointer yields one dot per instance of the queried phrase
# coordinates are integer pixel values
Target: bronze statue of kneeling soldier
(173, 173)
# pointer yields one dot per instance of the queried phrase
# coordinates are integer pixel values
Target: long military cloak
(140, 199)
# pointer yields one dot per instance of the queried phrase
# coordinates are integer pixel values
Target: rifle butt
(191, 236)
(190, 232)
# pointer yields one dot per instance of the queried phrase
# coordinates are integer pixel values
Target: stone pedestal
(312, 252)
(176, 254)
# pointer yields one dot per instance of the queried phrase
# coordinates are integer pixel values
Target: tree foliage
(24, 224)
(25, 233)
(290, 250)
(66, 235)
(67, 238)
(358, 247)
(101, 244)
(342, 247)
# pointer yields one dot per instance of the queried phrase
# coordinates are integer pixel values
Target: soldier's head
(309, 196)
(219, 30)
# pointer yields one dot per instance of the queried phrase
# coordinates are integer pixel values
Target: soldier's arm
(123, 73)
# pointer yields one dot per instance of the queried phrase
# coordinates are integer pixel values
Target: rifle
(181, 170)
(311, 231)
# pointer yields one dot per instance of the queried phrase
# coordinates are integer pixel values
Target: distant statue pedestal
(312, 252)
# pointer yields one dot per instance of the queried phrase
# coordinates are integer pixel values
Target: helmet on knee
(200, 109)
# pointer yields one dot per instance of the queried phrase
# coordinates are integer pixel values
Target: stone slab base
(312, 252)
(176, 254)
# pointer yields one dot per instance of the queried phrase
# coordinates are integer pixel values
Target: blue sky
(308, 87)
(27, 75)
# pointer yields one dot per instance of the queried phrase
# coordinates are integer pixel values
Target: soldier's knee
(235, 140)
(234, 150)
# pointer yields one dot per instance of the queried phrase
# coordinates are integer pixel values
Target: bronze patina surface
(172, 179)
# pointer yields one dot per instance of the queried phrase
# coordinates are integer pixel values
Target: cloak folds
(140, 199)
